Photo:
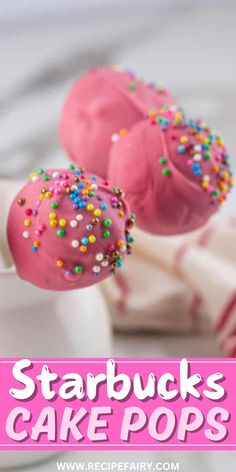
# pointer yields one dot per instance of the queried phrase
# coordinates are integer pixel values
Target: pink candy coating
(102, 104)
(66, 244)
(174, 172)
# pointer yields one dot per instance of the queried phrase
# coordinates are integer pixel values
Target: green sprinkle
(166, 172)
(91, 194)
(41, 171)
(72, 167)
(107, 222)
(132, 87)
(61, 233)
(78, 269)
(215, 193)
(54, 205)
(207, 156)
(46, 178)
(106, 234)
(159, 119)
(163, 160)
(132, 216)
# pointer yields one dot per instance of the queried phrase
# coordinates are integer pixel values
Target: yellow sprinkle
(27, 222)
(53, 223)
(223, 186)
(52, 216)
(220, 142)
(92, 238)
(184, 139)
(205, 184)
(32, 175)
(206, 141)
(48, 194)
(225, 174)
(62, 222)
(97, 212)
(90, 207)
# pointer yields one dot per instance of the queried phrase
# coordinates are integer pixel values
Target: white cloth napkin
(179, 284)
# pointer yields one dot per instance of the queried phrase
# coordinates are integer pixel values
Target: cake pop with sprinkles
(101, 107)
(175, 172)
(68, 229)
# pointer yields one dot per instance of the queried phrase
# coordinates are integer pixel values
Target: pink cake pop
(175, 172)
(68, 229)
(102, 105)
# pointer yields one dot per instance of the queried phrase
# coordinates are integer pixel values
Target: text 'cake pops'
(175, 172)
(102, 106)
(68, 229)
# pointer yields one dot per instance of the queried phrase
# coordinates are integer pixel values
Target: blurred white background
(44, 46)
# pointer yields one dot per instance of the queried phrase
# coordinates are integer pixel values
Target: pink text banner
(117, 404)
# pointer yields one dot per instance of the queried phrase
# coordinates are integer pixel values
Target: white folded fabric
(179, 284)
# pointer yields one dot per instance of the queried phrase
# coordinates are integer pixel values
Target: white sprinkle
(56, 175)
(197, 157)
(197, 148)
(99, 257)
(74, 187)
(35, 178)
(104, 263)
(75, 243)
(89, 227)
(206, 178)
(79, 217)
(26, 234)
(123, 248)
(94, 186)
(115, 137)
(96, 269)
(73, 223)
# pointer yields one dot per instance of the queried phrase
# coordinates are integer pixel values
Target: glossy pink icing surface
(99, 105)
(181, 192)
(68, 229)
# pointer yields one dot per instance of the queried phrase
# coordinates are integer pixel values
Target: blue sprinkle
(103, 206)
(82, 204)
(94, 177)
(84, 241)
(181, 148)
(34, 248)
(81, 185)
(77, 172)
